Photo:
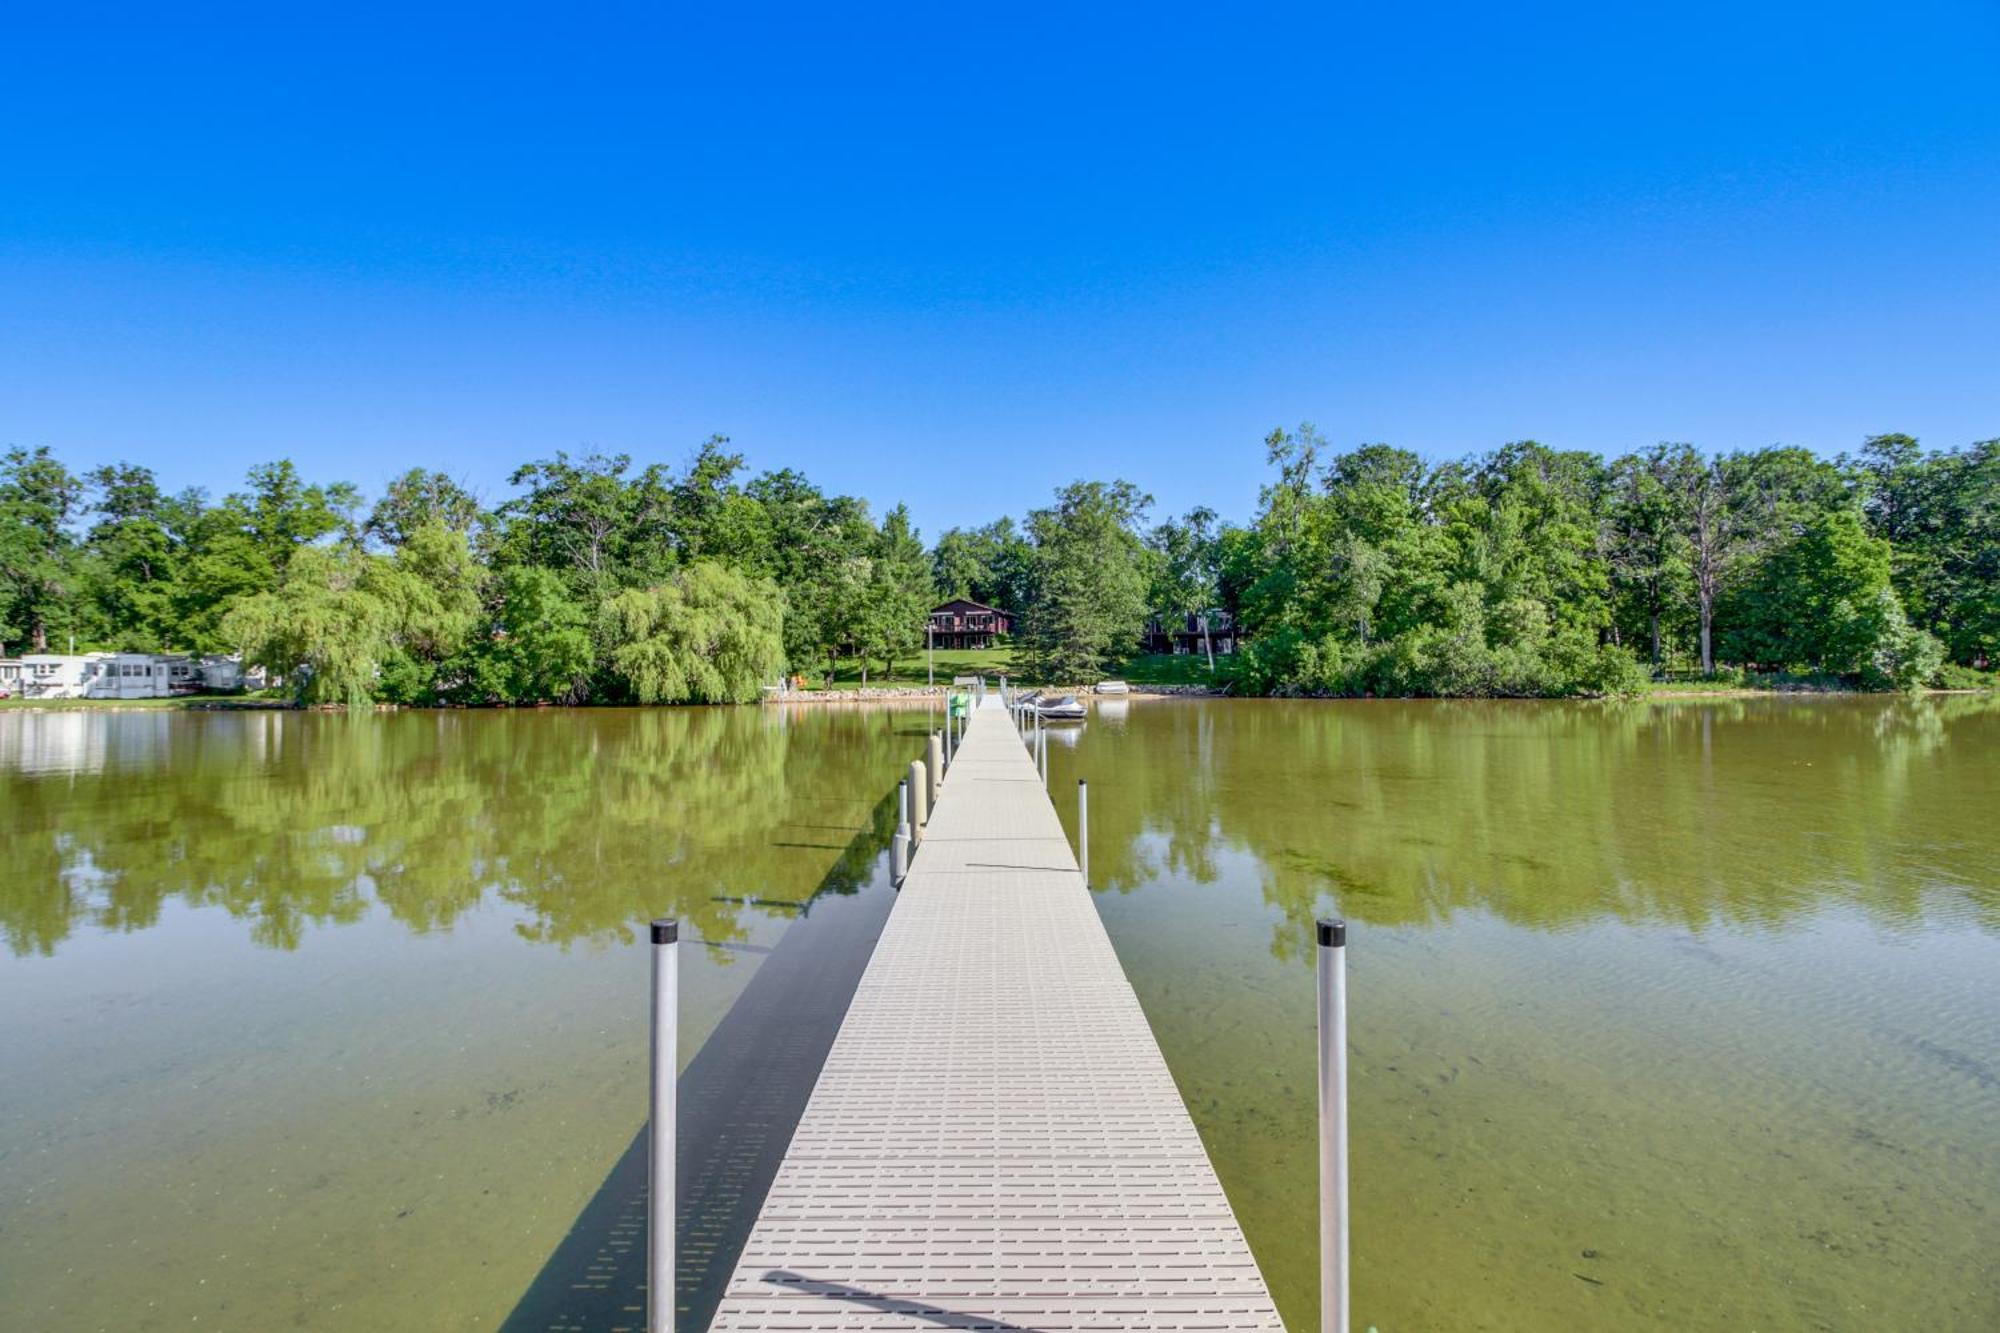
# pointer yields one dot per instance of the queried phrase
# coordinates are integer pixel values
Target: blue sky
(891, 246)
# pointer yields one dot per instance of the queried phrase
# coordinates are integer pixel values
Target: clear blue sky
(884, 246)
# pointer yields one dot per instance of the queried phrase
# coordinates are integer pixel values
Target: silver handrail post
(899, 848)
(1333, 1274)
(660, 1127)
(918, 784)
(1083, 829)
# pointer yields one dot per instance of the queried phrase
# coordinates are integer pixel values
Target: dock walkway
(995, 1141)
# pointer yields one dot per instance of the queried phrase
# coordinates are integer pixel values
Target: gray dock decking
(995, 1141)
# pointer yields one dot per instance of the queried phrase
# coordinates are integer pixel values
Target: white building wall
(58, 675)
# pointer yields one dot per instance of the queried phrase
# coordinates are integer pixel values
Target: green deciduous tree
(536, 647)
(1941, 514)
(38, 566)
(1086, 602)
(1186, 571)
(434, 590)
(421, 497)
(132, 557)
(285, 512)
(585, 518)
(1823, 601)
(991, 565)
(713, 518)
(895, 595)
(325, 628)
(815, 541)
(1647, 540)
(707, 634)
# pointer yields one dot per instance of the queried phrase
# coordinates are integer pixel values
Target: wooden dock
(995, 1141)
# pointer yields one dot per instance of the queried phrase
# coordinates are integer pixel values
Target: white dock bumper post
(660, 1135)
(1333, 1284)
(918, 783)
(899, 848)
(1083, 829)
(934, 769)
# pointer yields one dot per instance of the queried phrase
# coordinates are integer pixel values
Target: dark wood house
(964, 623)
(1185, 636)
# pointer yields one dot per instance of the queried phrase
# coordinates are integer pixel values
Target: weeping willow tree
(323, 629)
(708, 634)
(342, 615)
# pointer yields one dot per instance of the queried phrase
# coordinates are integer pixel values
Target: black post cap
(666, 932)
(1332, 934)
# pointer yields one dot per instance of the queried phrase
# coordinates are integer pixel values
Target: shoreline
(913, 694)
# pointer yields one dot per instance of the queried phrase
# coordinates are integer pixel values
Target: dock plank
(995, 1141)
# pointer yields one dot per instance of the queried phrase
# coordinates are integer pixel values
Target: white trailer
(59, 675)
(132, 676)
(220, 674)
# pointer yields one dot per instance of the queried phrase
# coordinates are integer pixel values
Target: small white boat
(1066, 709)
(1113, 687)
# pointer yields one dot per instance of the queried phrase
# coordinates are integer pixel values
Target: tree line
(1533, 571)
(598, 580)
(1524, 572)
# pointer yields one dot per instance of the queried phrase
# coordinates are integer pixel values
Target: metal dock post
(1083, 829)
(660, 1128)
(1333, 1285)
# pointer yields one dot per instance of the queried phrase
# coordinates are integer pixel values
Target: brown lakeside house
(1186, 634)
(964, 623)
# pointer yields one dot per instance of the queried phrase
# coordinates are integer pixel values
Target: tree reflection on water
(588, 821)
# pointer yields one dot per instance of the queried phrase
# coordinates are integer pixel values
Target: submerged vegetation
(1526, 572)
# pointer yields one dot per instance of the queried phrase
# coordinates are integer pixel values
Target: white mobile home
(220, 673)
(183, 675)
(59, 675)
(134, 676)
(121, 675)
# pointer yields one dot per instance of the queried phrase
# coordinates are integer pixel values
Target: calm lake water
(1676, 1015)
